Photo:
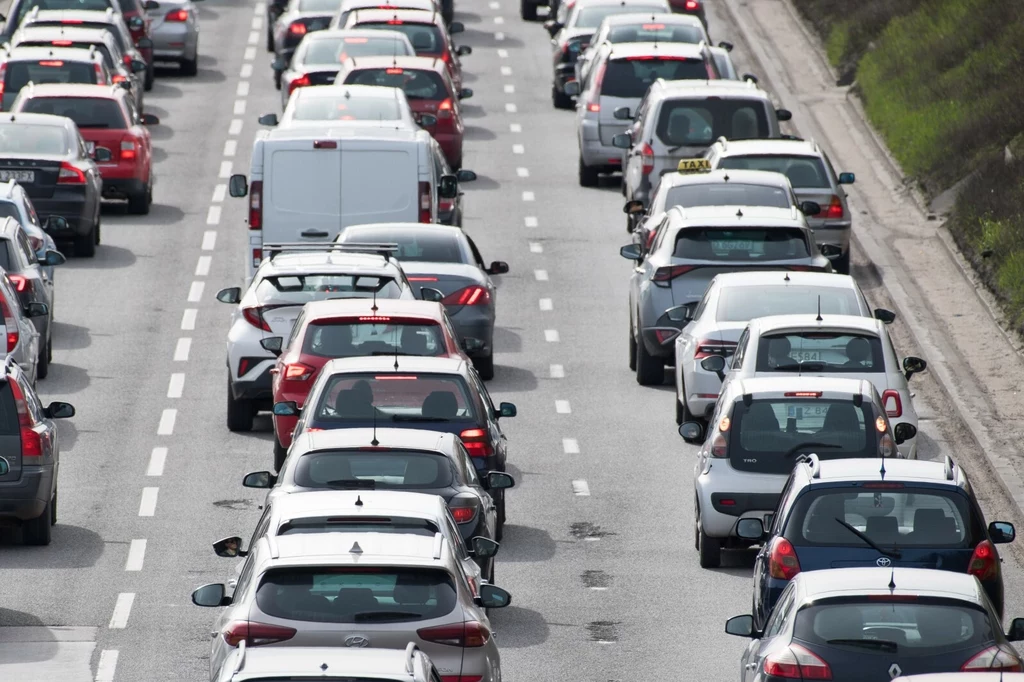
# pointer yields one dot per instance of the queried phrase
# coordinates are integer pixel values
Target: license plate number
(806, 411)
(732, 246)
(19, 175)
(806, 355)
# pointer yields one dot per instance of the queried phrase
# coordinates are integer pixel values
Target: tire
(150, 78)
(190, 67)
(277, 80)
(240, 413)
(270, 36)
(49, 348)
(279, 455)
(650, 371)
(560, 100)
(842, 264)
(485, 367)
(43, 364)
(499, 532)
(138, 203)
(85, 246)
(708, 549)
(588, 175)
(37, 531)
(527, 10)
(683, 413)
(96, 231)
(632, 349)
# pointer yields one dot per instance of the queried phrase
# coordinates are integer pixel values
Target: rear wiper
(417, 418)
(793, 450)
(366, 616)
(886, 645)
(894, 553)
(391, 352)
(93, 125)
(353, 484)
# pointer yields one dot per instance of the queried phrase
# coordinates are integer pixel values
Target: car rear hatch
(10, 433)
(18, 74)
(686, 127)
(448, 278)
(37, 174)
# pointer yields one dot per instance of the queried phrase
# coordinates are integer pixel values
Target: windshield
(820, 351)
(591, 17)
(728, 194)
(30, 138)
(352, 338)
(632, 77)
(388, 469)
(333, 51)
(300, 289)
(395, 397)
(359, 524)
(86, 112)
(802, 171)
(742, 304)
(655, 32)
(19, 73)
(699, 122)
(425, 38)
(416, 83)
(751, 244)
(416, 245)
(315, 107)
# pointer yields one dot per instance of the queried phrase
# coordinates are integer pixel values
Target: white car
(714, 324)
(288, 278)
(326, 663)
(826, 345)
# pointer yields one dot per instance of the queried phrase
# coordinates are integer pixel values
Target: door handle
(314, 233)
(751, 666)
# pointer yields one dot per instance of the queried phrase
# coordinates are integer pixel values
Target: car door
(756, 649)
(761, 610)
(632, 166)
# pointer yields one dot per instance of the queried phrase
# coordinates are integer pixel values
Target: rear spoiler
(385, 250)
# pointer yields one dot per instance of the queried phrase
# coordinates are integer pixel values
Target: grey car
(15, 203)
(327, 663)
(813, 178)
(445, 258)
(692, 246)
(175, 33)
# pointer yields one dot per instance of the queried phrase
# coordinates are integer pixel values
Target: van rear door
(379, 182)
(300, 190)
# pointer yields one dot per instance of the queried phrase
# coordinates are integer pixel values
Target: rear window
(9, 423)
(300, 289)
(741, 304)
(700, 122)
(86, 112)
(356, 595)
(802, 171)
(416, 83)
(591, 17)
(359, 524)
(314, 107)
(892, 515)
(20, 73)
(767, 435)
(29, 138)
(728, 194)
(333, 51)
(820, 351)
(632, 77)
(396, 397)
(5, 255)
(78, 45)
(386, 469)
(653, 32)
(753, 245)
(352, 338)
(127, 6)
(329, 6)
(425, 38)
(89, 5)
(424, 246)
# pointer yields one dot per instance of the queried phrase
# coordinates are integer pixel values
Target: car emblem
(894, 671)
(357, 641)
(883, 561)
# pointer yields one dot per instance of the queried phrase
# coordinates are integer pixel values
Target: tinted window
(19, 73)
(359, 524)
(356, 595)
(766, 435)
(591, 17)
(7, 210)
(802, 171)
(84, 111)
(127, 6)
(396, 397)
(314, 107)
(814, 351)
(700, 122)
(336, 50)
(300, 289)
(416, 83)
(9, 424)
(319, 5)
(655, 33)
(27, 138)
(425, 38)
(740, 304)
(755, 245)
(632, 77)
(388, 469)
(417, 245)
(728, 194)
(91, 5)
(81, 45)
(351, 338)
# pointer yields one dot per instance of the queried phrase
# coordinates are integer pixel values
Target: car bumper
(121, 188)
(702, 388)
(73, 207)
(259, 387)
(26, 499)
(475, 325)
(759, 497)
(174, 40)
(594, 153)
(835, 234)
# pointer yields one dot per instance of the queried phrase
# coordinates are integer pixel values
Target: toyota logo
(883, 561)
(357, 641)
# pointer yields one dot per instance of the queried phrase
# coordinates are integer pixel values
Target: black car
(29, 456)
(48, 157)
(412, 460)
(569, 45)
(858, 624)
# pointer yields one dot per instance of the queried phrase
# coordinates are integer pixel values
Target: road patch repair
(42, 654)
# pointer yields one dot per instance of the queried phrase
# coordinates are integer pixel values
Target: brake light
(300, 82)
(995, 658)
(984, 562)
(31, 442)
(117, 78)
(471, 295)
(20, 283)
(665, 335)
(327, 144)
(257, 256)
(100, 80)
(882, 486)
(255, 634)
(127, 60)
(297, 372)
(127, 150)
(376, 318)
(51, 62)
(782, 561)
(353, 41)
(394, 71)
(477, 442)
(297, 29)
(664, 275)
(720, 446)
(646, 159)
(468, 635)
(254, 316)
(803, 394)
(177, 15)
(653, 27)
(897, 403)
(256, 207)
(426, 214)
(72, 21)
(69, 175)
(796, 663)
(709, 347)
(3, 76)
(395, 377)
(463, 514)
(395, 22)
(834, 210)
(420, 279)
(61, 43)
(444, 109)
(594, 107)
(692, 5)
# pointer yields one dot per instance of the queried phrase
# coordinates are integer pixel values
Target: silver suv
(328, 663)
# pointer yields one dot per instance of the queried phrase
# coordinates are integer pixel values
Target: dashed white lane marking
(188, 319)
(176, 386)
(235, 127)
(503, 53)
(136, 555)
(209, 240)
(518, 149)
(511, 108)
(506, 71)
(230, 147)
(562, 407)
(528, 196)
(147, 507)
(250, 54)
(510, 89)
(243, 89)
(541, 275)
(239, 107)
(122, 609)
(499, 20)
(167, 419)
(523, 172)
(499, 36)
(106, 668)
(556, 372)
(536, 247)
(494, 5)
(246, 71)
(254, 37)
(530, 221)
(257, 23)
(570, 446)
(546, 304)
(181, 350)
(213, 215)
(195, 292)
(259, 8)
(551, 335)
(203, 266)
(157, 460)
(225, 169)
(219, 192)
(515, 128)
(580, 488)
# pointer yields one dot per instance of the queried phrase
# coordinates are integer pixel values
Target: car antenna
(739, 212)
(374, 442)
(818, 319)
(396, 348)
(786, 278)
(359, 500)
(892, 580)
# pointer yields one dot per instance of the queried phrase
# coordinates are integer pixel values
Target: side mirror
(272, 344)
(572, 88)
(5, 467)
(230, 295)
(912, 365)
(751, 78)
(58, 410)
(483, 548)
(725, 45)
(498, 267)
(238, 186)
(125, 84)
(507, 410)
(150, 120)
(552, 27)
(463, 50)
(151, 5)
(741, 626)
(103, 155)
(492, 597)
(286, 408)
(35, 309)
(1016, 631)
(810, 207)
(464, 175)
(259, 479)
(830, 250)
(499, 480)
(429, 294)
(886, 316)
(54, 257)
(267, 120)
(465, 93)
(904, 432)
(634, 206)
(427, 120)
(692, 432)
(471, 345)
(682, 313)
(138, 66)
(750, 529)
(213, 594)
(714, 363)
(847, 178)
(783, 114)
(56, 222)
(229, 548)
(630, 252)
(622, 114)
(144, 44)
(448, 187)
(1001, 532)
(622, 141)
(279, 64)
(456, 27)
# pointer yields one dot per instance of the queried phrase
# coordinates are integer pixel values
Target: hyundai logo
(357, 641)
(883, 561)
(894, 671)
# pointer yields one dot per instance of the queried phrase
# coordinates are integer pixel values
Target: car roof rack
(241, 659)
(950, 468)
(438, 542)
(383, 249)
(410, 652)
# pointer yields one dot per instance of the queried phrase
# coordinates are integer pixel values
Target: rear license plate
(805, 355)
(19, 175)
(806, 411)
(732, 246)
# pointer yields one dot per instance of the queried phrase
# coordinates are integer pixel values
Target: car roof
(36, 119)
(711, 88)
(781, 147)
(337, 33)
(833, 386)
(107, 16)
(401, 62)
(383, 307)
(325, 663)
(736, 216)
(627, 50)
(426, 228)
(359, 91)
(7, 188)
(67, 54)
(656, 17)
(765, 325)
(76, 33)
(73, 90)
(398, 439)
(335, 130)
(751, 278)
(921, 582)
(896, 470)
(297, 262)
(341, 548)
(598, 3)
(385, 364)
(406, 16)
(722, 176)
(357, 502)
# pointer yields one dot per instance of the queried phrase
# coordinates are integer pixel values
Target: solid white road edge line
(157, 460)
(136, 555)
(122, 609)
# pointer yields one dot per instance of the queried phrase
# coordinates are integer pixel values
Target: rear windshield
(425, 38)
(395, 397)
(89, 5)
(728, 194)
(30, 138)
(356, 595)
(9, 424)
(655, 33)
(78, 45)
(118, 38)
(802, 171)
(86, 112)
(334, 51)
(315, 107)
(386, 469)
(352, 338)
(329, 6)
(884, 626)
(741, 304)
(814, 351)
(890, 514)
(300, 289)
(20, 73)
(753, 245)
(425, 246)
(767, 435)
(591, 17)
(416, 83)
(698, 123)
(632, 77)
(359, 524)
(5, 254)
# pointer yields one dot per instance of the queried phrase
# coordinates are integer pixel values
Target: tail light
(254, 316)
(720, 446)
(444, 109)
(426, 215)
(692, 5)
(665, 335)
(36, 242)
(594, 105)
(647, 159)
(995, 658)
(984, 562)
(708, 347)
(297, 29)
(886, 448)
(664, 275)
(21, 283)
(796, 663)
(177, 15)
(443, 206)
(127, 150)
(100, 80)
(471, 295)
(118, 78)
(300, 82)
(62, 43)
(477, 442)
(834, 210)
(446, 57)
(464, 509)
(11, 323)
(69, 175)
(783, 564)
(127, 60)
(257, 256)
(896, 409)
(255, 634)
(467, 635)
(31, 441)
(256, 205)
(297, 371)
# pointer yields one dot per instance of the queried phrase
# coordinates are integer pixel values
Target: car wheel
(485, 367)
(240, 413)
(527, 10)
(190, 67)
(650, 371)
(632, 349)
(138, 202)
(499, 532)
(561, 100)
(277, 80)
(709, 550)
(279, 455)
(37, 531)
(842, 264)
(43, 364)
(588, 175)
(85, 246)
(150, 78)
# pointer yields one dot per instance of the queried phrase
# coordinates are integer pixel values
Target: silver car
(23, 339)
(349, 6)
(813, 178)
(255, 664)
(174, 27)
(379, 590)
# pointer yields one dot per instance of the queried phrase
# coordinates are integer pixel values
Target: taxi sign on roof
(694, 166)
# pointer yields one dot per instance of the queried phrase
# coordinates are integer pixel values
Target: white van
(309, 184)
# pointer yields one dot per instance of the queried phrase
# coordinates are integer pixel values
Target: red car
(428, 88)
(352, 328)
(426, 32)
(107, 117)
(134, 12)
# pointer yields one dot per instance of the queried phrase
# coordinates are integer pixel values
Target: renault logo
(357, 641)
(883, 561)
(894, 671)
